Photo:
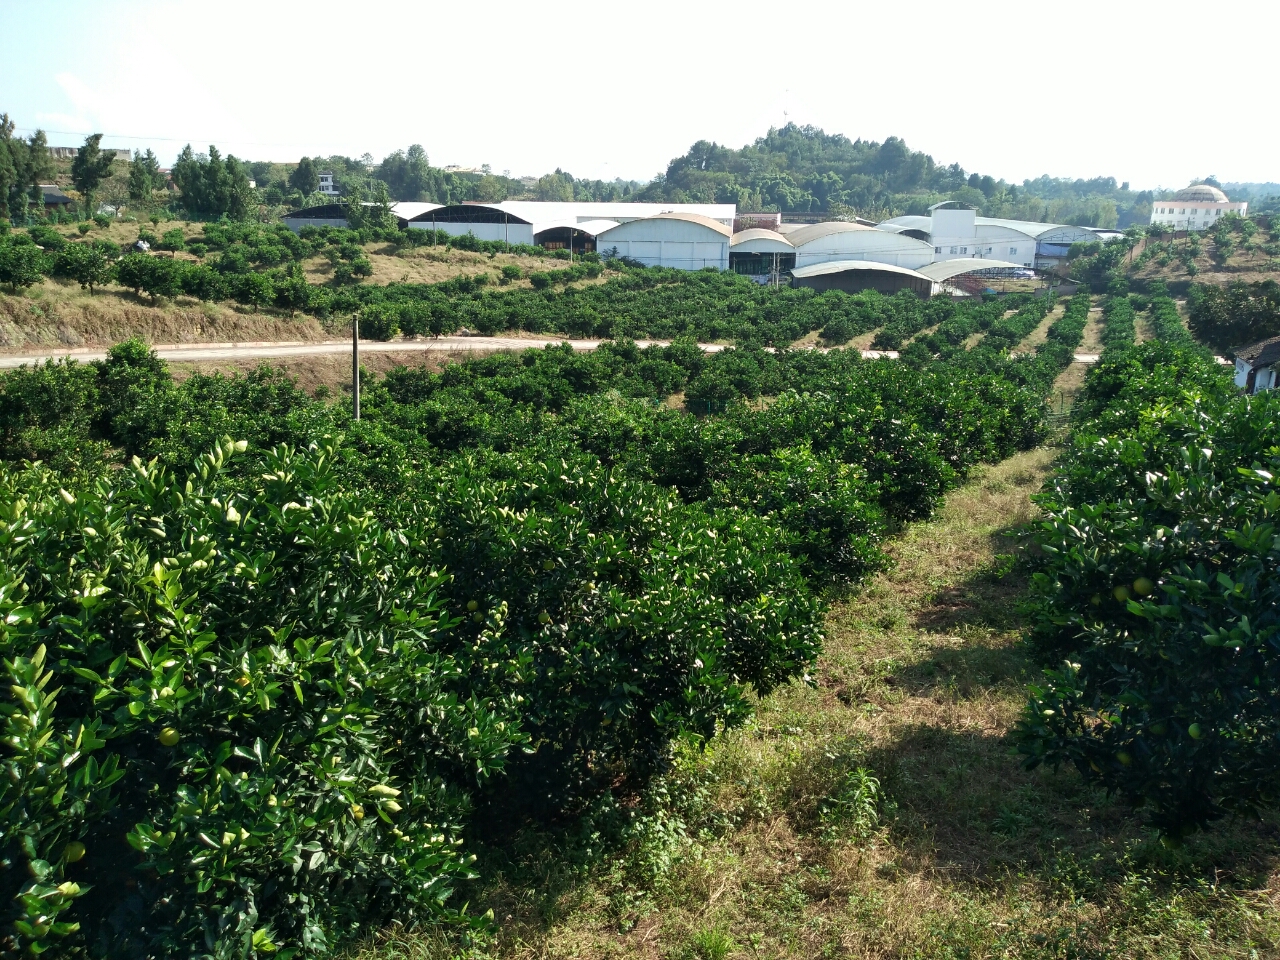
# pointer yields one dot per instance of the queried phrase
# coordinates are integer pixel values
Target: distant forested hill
(805, 170)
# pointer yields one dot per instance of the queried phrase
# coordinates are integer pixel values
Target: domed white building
(1197, 207)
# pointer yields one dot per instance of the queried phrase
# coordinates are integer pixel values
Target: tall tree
(212, 187)
(23, 165)
(144, 175)
(305, 178)
(91, 166)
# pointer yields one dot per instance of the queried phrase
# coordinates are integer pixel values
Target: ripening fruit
(472, 606)
(1158, 729)
(1143, 587)
(1121, 593)
(357, 811)
(169, 737)
(548, 565)
(544, 617)
(477, 617)
(1096, 600)
(1124, 758)
(73, 851)
(1194, 731)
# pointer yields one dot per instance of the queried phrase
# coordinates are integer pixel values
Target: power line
(125, 136)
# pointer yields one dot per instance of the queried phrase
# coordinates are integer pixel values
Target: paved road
(263, 350)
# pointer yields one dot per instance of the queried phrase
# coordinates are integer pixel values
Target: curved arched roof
(697, 218)
(898, 224)
(1202, 192)
(844, 266)
(592, 228)
(828, 228)
(408, 209)
(946, 269)
(469, 213)
(762, 239)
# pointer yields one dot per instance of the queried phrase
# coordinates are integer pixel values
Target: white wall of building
(666, 242)
(1193, 214)
(512, 233)
(876, 245)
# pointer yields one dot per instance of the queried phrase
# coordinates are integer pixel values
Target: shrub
(266, 803)
(83, 263)
(1158, 599)
(84, 228)
(21, 264)
(510, 272)
(379, 323)
(172, 240)
(102, 220)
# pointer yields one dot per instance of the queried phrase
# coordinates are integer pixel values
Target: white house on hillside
(1197, 207)
(327, 186)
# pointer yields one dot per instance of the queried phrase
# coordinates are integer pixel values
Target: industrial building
(1197, 207)
(686, 241)
(958, 232)
(923, 254)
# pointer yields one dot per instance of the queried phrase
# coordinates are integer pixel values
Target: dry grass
(1041, 333)
(972, 856)
(432, 264)
(58, 313)
(329, 371)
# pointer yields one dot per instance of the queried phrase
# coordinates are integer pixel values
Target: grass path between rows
(775, 843)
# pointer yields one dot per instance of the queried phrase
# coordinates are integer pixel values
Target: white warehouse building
(686, 241)
(1197, 207)
(554, 225)
(954, 233)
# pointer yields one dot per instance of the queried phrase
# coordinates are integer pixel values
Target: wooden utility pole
(355, 365)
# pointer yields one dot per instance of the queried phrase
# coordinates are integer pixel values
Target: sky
(1123, 88)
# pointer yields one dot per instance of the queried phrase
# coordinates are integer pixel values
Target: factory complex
(920, 253)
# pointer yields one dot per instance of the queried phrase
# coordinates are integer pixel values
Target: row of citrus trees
(264, 694)
(1159, 597)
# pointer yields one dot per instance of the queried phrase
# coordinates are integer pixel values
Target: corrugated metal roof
(408, 209)
(539, 211)
(758, 233)
(590, 227)
(702, 221)
(946, 269)
(898, 224)
(842, 266)
(827, 228)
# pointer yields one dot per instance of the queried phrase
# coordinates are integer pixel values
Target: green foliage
(90, 167)
(1166, 322)
(1158, 597)
(21, 263)
(1235, 316)
(172, 240)
(1117, 330)
(144, 175)
(212, 187)
(283, 773)
(379, 323)
(506, 592)
(84, 263)
(304, 178)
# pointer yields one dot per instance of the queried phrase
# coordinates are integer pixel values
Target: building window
(953, 249)
(937, 249)
(1013, 251)
(964, 249)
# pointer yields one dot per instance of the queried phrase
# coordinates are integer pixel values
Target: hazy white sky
(1119, 88)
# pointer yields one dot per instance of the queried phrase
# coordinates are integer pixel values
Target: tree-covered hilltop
(806, 170)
